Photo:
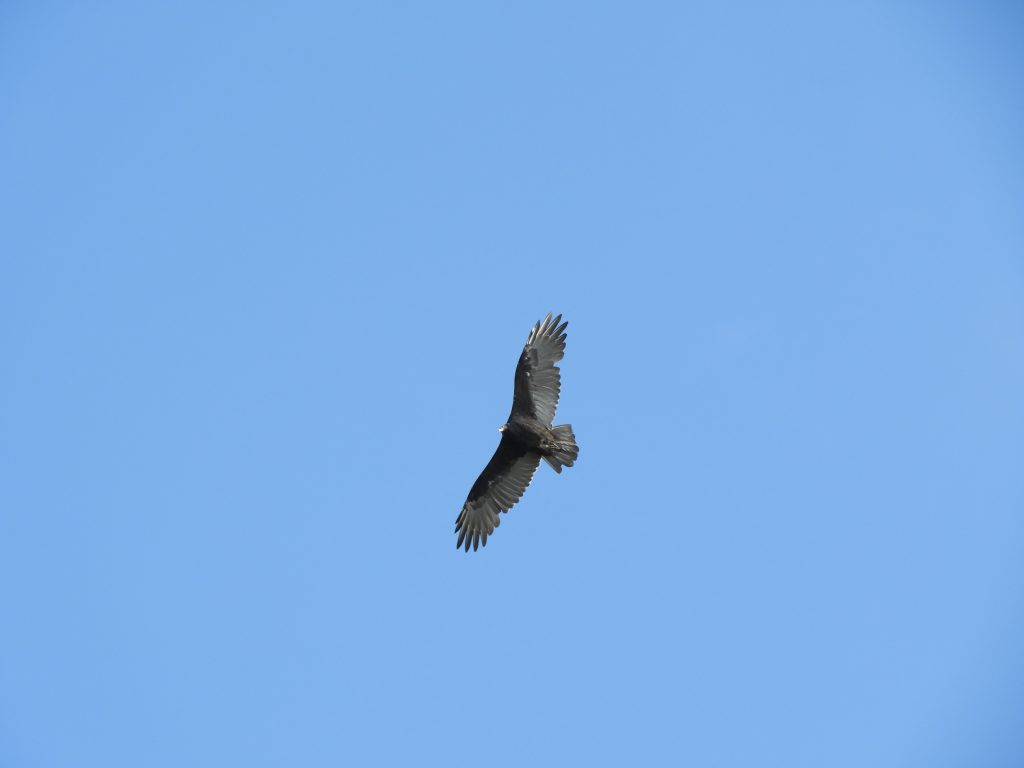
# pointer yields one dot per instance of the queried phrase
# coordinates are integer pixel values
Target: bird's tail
(563, 451)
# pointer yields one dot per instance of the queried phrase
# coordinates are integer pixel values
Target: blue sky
(266, 271)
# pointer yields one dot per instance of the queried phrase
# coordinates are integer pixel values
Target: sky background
(265, 273)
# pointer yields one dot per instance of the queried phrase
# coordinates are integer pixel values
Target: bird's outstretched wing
(538, 380)
(498, 488)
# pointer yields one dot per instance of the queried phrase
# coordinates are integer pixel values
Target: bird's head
(503, 428)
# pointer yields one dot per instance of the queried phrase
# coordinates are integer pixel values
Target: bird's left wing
(498, 488)
(538, 380)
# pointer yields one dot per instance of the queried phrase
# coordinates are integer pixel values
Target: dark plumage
(526, 438)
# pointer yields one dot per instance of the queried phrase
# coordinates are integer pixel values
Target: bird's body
(529, 433)
(549, 442)
(527, 437)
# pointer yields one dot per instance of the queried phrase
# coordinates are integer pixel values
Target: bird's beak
(502, 428)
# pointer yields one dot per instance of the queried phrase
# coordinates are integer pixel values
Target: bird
(526, 437)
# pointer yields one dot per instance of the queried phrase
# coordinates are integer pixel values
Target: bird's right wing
(498, 488)
(538, 380)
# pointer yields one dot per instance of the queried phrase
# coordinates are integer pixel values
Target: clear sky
(265, 273)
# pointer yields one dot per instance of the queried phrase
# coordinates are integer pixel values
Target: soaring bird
(526, 438)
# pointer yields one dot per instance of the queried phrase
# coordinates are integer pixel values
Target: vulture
(527, 437)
